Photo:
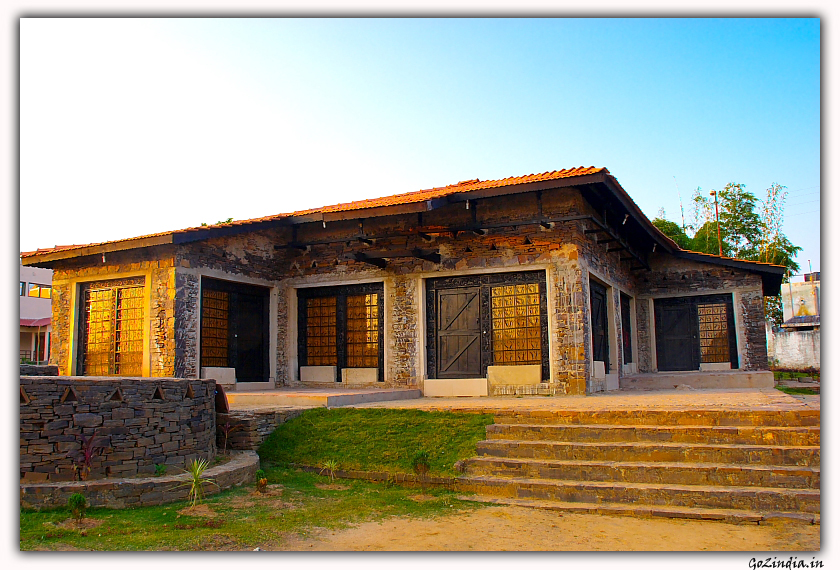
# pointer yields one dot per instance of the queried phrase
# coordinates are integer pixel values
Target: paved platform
(720, 399)
(317, 397)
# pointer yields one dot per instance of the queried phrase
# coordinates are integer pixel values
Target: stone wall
(186, 325)
(121, 493)
(140, 422)
(156, 265)
(249, 428)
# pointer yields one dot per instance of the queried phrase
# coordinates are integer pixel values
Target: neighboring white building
(796, 344)
(35, 313)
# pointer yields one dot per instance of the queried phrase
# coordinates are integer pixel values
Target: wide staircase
(732, 465)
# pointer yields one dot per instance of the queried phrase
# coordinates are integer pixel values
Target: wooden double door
(477, 321)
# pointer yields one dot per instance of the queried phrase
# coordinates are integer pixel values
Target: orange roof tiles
(398, 199)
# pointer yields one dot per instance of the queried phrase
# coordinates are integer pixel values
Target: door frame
(692, 301)
(341, 292)
(484, 282)
(236, 288)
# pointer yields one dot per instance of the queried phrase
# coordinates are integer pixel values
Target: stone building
(552, 283)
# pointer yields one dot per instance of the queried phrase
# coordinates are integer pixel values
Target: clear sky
(135, 126)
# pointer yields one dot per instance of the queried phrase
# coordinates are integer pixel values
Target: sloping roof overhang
(600, 188)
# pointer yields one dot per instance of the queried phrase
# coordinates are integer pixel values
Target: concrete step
(725, 515)
(647, 417)
(762, 499)
(788, 477)
(708, 380)
(646, 451)
(676, 434)
(325, 397)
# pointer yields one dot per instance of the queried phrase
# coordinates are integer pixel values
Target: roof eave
(771, 275)
(97, 249)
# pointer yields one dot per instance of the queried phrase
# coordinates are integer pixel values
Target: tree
(743, 225)
(705, 240)
(672, 230)
(744, 232)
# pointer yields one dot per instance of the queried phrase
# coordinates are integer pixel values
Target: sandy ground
(521, 529)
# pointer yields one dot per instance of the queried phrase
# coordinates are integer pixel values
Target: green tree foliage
(750, 229)
(705, 240)
(673, 231)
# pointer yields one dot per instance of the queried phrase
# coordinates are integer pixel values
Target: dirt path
(521, 529)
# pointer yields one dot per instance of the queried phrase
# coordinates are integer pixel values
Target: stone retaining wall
(140, 422)
(251, 427)
(140, 492)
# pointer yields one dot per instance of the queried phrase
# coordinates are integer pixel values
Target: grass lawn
(376, 439)
(238, 518)
(794, 391)
(241, 519)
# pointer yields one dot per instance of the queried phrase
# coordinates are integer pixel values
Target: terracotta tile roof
(464, 186)
(715, 256)
(398, 199)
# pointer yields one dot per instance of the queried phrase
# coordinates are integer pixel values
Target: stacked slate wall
(140, 422)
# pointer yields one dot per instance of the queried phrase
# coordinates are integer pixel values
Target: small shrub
(160, 470)
(83, 457)
(197, 481)
(330, 466)
(77, 505)
(262, 480)
(421, 465)
(227, 429)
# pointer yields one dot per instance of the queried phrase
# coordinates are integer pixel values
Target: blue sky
(136, 126)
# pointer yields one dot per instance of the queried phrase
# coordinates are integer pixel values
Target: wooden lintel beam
(610, 240)
(611, 249)
(376, 261)
(432, 256)
(595, 231)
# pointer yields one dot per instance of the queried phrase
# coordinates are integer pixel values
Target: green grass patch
(376, 439)
(240, 519)
(794, 391)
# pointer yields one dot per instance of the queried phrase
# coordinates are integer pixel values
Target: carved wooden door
(459, 333)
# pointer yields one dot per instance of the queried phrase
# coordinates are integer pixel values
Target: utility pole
(682, 212)
(717, 220)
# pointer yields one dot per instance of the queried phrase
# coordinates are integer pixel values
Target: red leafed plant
(83, 457)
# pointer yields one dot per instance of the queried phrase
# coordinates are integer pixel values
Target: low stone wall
(140, 422)
(140, 492)
(249, 428)
(38, 370)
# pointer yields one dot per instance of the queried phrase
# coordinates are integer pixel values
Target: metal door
(251, 338)
(459, 333)
(676, 336)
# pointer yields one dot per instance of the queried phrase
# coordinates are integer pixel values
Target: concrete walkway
(721, 399)
(718, 399)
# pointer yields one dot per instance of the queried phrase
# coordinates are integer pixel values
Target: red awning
(35, 322)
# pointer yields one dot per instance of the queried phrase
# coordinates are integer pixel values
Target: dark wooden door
(459, 333)
(598, 306)
(676, 336)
